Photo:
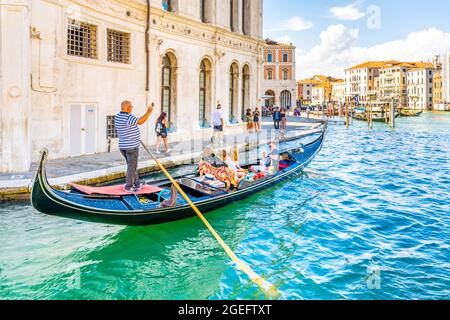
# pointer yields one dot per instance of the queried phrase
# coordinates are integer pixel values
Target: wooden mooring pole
(392, 115)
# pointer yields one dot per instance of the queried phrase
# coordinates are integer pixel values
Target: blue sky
(398, 29)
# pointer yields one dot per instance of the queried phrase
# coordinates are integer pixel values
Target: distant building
(316, 91)
(389, 79)
(360, 80)
(338, 92)
(420, 88)
(304, 91)
(67, 65)
(441, 82)
(279, 74)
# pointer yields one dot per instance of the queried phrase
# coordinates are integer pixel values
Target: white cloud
(284, 39)
(349, 12)
(296, 24)
(338, 50)
(292, 24)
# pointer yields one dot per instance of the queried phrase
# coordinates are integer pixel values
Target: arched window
(205, 94)
(285, 99)
(269, 98)
(168, 87)
(269, 74)
(202, 85)
(285, 74)
(233, 92)
(245, 91)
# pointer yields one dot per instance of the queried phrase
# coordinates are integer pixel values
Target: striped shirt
(128, 131)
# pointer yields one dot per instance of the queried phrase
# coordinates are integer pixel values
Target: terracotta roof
(373, 64)
(391, 64)
(318, 78)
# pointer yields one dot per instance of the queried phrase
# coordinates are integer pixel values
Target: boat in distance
(82, 203)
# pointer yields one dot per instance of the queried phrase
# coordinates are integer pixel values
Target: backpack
(158, 127)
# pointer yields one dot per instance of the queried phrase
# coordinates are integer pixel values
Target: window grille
(111, 127)
(118, 46)
(81, 39)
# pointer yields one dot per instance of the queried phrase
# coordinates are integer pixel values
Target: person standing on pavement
(127, 126)
(283, 123)
(277, 118)
(218, 124)
(161, 132)
(257, 120)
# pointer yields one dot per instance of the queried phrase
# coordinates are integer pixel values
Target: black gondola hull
(58, 203)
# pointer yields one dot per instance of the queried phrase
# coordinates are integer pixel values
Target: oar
(265, 286)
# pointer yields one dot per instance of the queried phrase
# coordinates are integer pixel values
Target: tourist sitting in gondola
(270, 163)
(233, 163)
(213, 167)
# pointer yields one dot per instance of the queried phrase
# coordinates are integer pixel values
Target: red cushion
(284, 165)
(113, 190)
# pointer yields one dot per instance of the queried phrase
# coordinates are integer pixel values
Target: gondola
(376, 116)
(410, 113)
(146, 209)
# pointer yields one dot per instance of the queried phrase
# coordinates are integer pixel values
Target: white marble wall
(14, 86)
(36, 114)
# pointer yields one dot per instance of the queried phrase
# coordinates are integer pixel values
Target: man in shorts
(218, 123)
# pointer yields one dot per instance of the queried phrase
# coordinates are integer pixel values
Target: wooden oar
(268, 288)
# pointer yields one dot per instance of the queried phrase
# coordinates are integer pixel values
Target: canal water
(369, 219)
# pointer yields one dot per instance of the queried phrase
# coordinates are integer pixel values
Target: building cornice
(135, 11)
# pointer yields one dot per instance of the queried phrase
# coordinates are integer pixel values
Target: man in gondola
(127, 126)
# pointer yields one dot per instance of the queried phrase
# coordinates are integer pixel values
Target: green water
(372, 200)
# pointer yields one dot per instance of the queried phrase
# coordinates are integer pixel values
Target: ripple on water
(372, 201)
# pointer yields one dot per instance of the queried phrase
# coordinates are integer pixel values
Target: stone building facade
(66, 65)
(279, 74)
(441, 83)
(420, 88)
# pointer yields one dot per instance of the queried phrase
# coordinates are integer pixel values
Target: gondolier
(127, 126)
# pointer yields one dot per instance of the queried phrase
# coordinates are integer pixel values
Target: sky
(332, 35)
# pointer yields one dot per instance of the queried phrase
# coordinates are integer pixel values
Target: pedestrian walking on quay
(127, 126)
(283, 122)
(277, 118)
(249, 120)
(257, 120)
(162, 124)
(218, 124)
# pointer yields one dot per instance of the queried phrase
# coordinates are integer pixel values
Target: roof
(271, 42)
(320, 80)
(411, 65)
(373, 64)
(390, 64)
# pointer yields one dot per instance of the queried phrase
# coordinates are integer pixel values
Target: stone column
(15, 85)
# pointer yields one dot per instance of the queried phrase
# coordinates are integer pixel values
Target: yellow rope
(265, 286)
